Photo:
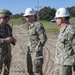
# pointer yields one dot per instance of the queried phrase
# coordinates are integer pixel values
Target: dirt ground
(18, 63)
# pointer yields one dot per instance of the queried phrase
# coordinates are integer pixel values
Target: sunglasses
(28, 16)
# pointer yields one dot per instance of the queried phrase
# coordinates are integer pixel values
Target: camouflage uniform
(5, 48)
(65, 51)
(36, 40)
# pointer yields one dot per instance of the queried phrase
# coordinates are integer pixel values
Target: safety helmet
(29, 11)
(62, 12)
(5, 13)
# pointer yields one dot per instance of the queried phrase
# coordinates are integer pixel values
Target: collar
(63, 29)
(31, 25)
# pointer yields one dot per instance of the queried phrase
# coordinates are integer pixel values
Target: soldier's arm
(11, 35)
(42, 34)
(73, 42)
(71, 38)
(10, 30)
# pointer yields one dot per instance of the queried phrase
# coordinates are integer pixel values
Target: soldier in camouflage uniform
(6, 38)
(65, 47)
(36, 40)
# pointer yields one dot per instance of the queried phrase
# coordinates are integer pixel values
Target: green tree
(46, 13)
(72, 11)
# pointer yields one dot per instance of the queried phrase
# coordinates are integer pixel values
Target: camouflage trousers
(34, 63)
(5, 64)
(63, 70)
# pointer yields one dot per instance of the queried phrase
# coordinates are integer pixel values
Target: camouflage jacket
(36, 36)
(5, 31)
(65, 48)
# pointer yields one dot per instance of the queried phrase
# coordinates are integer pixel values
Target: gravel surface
(18, 64)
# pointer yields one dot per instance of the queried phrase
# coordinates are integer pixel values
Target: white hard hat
(29, 11)
(62, 12)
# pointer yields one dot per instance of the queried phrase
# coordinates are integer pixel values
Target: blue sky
(18, 6)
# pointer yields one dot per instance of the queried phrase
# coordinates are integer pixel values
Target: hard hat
(62, 12)
(29, 11)
(5, 12)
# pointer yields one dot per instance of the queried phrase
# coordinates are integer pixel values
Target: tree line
(47, 13)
